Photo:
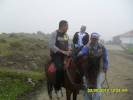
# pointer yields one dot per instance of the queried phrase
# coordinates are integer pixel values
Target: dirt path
(120, 75)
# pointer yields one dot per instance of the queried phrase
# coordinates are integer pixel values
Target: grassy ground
(22, 74)
(15, 82)
(22, 51)
(22, 59)
(130, 48)
(11, 88)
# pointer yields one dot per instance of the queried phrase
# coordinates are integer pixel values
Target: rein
(105, 80)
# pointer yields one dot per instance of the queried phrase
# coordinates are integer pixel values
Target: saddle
(57, 76)
(51, 68)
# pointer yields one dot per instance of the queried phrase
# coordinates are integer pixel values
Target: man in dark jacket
(80, 39)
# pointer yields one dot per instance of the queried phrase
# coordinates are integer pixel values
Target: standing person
(96, 50)
(59, 48)
(80, 39)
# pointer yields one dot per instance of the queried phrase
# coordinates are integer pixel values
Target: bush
(13, 35)
(15, 44)
(3, 41)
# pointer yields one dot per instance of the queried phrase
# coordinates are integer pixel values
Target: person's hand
(79, 54)
(105, 70)
(67, 53)
(70, 49)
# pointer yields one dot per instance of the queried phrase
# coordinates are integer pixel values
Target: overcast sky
(107, 17)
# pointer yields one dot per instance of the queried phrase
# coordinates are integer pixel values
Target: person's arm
(52, 41)
(53, 47)
(105, 59)
(84, 51)
(86, 39)
(75, 38)
(69, 43)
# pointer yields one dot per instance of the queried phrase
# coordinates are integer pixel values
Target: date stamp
(116, 90)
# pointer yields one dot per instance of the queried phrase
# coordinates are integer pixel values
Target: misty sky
(108, 17)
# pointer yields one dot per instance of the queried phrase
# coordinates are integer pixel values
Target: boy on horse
(80, 39)
(59, 48)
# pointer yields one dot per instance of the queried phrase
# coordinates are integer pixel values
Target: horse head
(91, 70)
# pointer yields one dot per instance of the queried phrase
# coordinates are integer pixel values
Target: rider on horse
(80, 39)
(59, 48)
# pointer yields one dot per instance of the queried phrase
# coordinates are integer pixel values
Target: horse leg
(61, 92)
(68, 94)
(50, 88)
(57, 96)
(75, 95)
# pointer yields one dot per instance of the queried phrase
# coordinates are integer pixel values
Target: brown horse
(73, 77)
(92, 66)
(92, 70)
(73, 73)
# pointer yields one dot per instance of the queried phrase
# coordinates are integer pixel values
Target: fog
(107, 17)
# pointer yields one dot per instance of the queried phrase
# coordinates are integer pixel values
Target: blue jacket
(85, 51)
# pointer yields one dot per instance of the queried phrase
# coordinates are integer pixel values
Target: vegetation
(11, 88)
(130, 48)
(22, 60)
(22, 51)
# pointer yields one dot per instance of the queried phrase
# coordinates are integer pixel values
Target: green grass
(23, 50)
(130, 48)
(4, 51)
(16, 52)
(13, 83)
(11, 88)
(22, 74)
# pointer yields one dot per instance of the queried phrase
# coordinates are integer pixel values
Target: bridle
(69, 75)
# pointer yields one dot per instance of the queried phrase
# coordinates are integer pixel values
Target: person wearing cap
(80, 39)
(96, 49)
(94, 43)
